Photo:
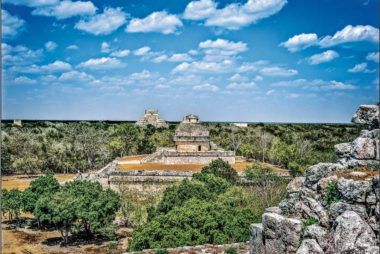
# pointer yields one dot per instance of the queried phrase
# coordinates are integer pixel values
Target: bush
(331, 194)
(231, 250)
(222, 169)
(162, 251)
(310, 221)
(213, 183)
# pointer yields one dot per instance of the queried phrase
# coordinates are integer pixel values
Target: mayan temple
(151, 117)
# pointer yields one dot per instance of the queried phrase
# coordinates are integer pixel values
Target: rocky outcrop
(341, 204)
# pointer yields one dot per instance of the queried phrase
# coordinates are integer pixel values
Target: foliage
(196, 222)
(221, 169)
(331, 194)
(310, 221)
(213, 183)
(231, 250)
(11, 202)
(162, 251)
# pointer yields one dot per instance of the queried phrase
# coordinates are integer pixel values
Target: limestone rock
(370, 133)
(353, 191)
(289, 206)
(364, 149)
(376, 186)
(324, 182)
(372, 250)
(256, 239)
(317, 211)
(295, 185)
(343, 149)
(338, 208)
(317, 233)
(273, 209)
(368, 115)
(291, 234)
(309, 246)
(352, 234)
(272, 233)
(317, 172)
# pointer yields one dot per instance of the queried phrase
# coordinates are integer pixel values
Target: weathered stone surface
(309, 193)
(363, 149)
(373, 134)
(324, 182)
(352, 234)
(317, 211)
(353, 191)
(309, 246)
(315, 173)
(289, 205)
(291, 234)
(371, 199)
(376, 186)
(343, 149)
(295, 185)
(256, 239)
(372, 250)
(374, 224)
(273, 209)
(272, 233)
(317, 233)
(338, 208)
(368, 115)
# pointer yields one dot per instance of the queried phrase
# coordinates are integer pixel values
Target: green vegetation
(231, 251)
(331, 194)
(72, 146)
(310, 221)
(78, 206)
(207, 209)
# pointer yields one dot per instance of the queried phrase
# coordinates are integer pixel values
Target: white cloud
(160, 22)
(270, 92)
(316, 84)
(224, 47)
(105, 47)
(121, 53)
(32, 3)
(373, 56)
(24, 80)
(204, 67)
(238, 78)
(75, 76)
(241, 86)
(56, 66)
(141, 51)
(292, 95)
(19, 55)
(341, 86)
(178, 57)
(72, 47)
(11, 25)
(206, 87)
(251, 66)
(300, 41)
(50, 45)
(323, 57)
(351, 34)
(198, 10)
(67, 9)
(103, 63)
(362, 67)
(233, 16)
(102, 24)
(278, 71)
(291, 83)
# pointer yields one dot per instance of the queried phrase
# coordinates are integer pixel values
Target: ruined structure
(333, 209)
(152, 117)
(193, 146)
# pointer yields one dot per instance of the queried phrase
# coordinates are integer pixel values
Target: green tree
(13, 204)
(221, 169)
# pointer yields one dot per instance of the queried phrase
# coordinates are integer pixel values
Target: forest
(70, 147)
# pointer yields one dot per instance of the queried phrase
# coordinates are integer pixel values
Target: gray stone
(295, 185)
(361, 210)
(373, 134)
(338, 208)
(372, 250)
(368, 115)
(343, 149)
(317, 233)
(309, 246)
(289, 205)
(291, 234)
(353, 191)
(272, 233)
(256, 239)
(317, 211)
(273, 209)
(352, 234)
(316, 172)
(324, 182)
(309, 193)
(374, 224)
(371, 199)
(376, 186)
(363, 149)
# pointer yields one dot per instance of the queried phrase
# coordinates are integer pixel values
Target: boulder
(343, 149)
(353, 191)
(338, 208)
(376, 186)
(364, 149)
(309, 246)
(352, 234)
(324, 182)
(291, 234)
(372, 250)
(352, 163)
(290, 204)
(368, 115)
(273, 209)
(256, 239)
(317, 233)
(317, 172)
(295, 185)
(272, 233)
(373, 134)
(316, 210)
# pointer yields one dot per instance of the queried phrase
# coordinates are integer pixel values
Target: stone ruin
(348, 225)
(192, 146)
(152, 117)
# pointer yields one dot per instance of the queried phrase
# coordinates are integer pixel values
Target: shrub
(310, 221)
(222, 169)
(331, 194)
(213, 183)
(231, 250)
(162, 251)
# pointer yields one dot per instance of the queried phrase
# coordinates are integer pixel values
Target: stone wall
(335, 207)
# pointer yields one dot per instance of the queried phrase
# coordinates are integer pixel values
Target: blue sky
(247, 60)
